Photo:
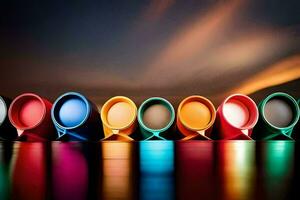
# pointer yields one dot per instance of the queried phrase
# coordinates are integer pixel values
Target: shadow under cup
(195, 117)
(30, 114)
(237, 116)
(156, 116)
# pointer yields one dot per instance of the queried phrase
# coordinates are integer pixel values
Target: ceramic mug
(156, 118)
(30, 115)
(296, 132)
(7, 130)
(118, 116)
(195, 117)
(76, 118)
(236, 117)
(279, 113)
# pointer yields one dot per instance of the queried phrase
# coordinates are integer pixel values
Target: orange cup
(195, 117)
(118, 116)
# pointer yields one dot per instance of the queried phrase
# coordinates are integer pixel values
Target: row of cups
(72, 116)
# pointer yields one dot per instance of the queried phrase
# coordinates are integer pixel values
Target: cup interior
(156, 114)
(3, 110)
(27, 111)
(118, 112)
(71, 110)
(280, 111)
(196, 113)
(240, 111)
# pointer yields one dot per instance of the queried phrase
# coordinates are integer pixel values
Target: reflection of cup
(279, 113)
(7, 130)
(77, 117)
(236, 117)
(195, 171)
(157, 173)
(277, 162)
(118, 170)
(195, 117)
(118, 116)
(156, 116)
(29, 171)
(69, 171)
(6, 154)
(30, 114)
(237, 174)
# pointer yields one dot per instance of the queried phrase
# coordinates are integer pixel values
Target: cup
(76, 118)
(156, 117)
(7, 130)
(236, 118)
(30, 115)
(297, 131)
(279, 113)
(195, 117)
(118, 116)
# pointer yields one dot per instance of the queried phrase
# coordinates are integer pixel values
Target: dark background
(150, 48)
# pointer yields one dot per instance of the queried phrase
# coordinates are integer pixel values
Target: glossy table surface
(150, 170)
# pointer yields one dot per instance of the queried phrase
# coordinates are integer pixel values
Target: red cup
(30, 114)
(236, 118)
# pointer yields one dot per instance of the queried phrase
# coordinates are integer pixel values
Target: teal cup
(279, 114)
(156, 118)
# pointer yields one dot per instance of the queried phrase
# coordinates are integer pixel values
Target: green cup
(296, 132)
(277, 108)
(162, 133)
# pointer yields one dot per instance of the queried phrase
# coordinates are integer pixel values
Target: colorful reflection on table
(30, 171)
(69, 171)
(237, 169)
(195, 170)
(157, 170)
(277, 168)
(118, 170)
(149, 170)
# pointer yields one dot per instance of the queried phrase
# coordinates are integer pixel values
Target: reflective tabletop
(149, 170)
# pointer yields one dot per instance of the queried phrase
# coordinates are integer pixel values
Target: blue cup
(76, 118)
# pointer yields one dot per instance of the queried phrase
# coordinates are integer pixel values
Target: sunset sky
(141, 48)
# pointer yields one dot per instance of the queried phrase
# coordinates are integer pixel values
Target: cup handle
(245, 131)
(155, 134)
(202, 134)
(127, 138)
(20, 132)
(190, 137)
(117, 132)
(60, 132)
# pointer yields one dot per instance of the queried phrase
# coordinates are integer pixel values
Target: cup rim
(213, 114)
(284, 95)
(250, 126)
(121, 99)
(77, 94)
(14, 102)
(5, 109)
(156, 99)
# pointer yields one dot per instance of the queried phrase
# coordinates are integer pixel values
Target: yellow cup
(195, 117)
(118, 116)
